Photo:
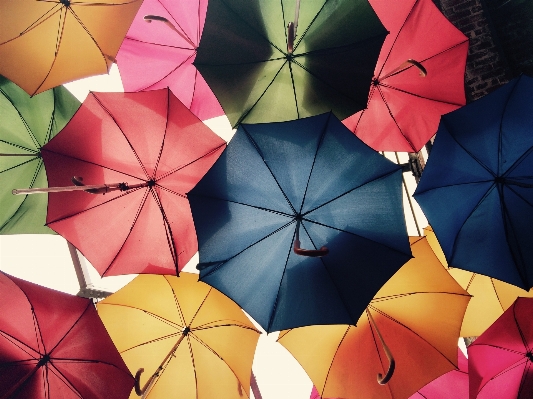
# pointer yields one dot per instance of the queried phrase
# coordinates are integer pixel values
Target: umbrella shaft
(106, 187)
(18, 155)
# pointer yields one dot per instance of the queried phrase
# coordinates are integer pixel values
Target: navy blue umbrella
(300, 222)
(477, 187)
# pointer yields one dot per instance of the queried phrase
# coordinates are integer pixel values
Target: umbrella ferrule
(186, 331)
(43, 360)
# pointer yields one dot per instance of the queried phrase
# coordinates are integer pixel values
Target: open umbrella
(47, 43)
(477, 187)
(408, 334)
(192, 341)
(54, 345)
(418, 77)
(273, 60)
(453, 384)
(490, 297)
(159, 49)
(300, 222)
(500, 361)
(143, 151)
(27, 123)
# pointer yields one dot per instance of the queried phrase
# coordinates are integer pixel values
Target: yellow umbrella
(411, 326)
(47, 43)
(490, 297)
(192, 341)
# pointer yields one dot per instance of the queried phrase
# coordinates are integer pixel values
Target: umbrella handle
(404, 65)
(291, 28)
(307, 252)
(144, 390)
(79, 186)
(382, 380)
(150, 18)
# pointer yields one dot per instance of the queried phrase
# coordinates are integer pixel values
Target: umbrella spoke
(50, 13)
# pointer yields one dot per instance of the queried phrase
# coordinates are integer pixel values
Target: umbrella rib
(411, 330)
(168, 190)
(500, 130)
(177, 303)
(123, 134)
(159, 44)
(24, 122)
(236, 323)
(89, 303)
(93, 207)
(523, 379)
(18, 146)
(258, 150)
(406, 294)
(518, 161)
(178, 168)
(374, 179)
(164, 136)
(52, 369)
(251, 206)
(155, 316)
(508, 369)
(139, 209)
(38, 22)
(178, 24)
(20, 164)
(522, 335)
(333, 359)
(173, 335)
(501, 348)
(245, 114)
(418, 95)
(308, 26)
(381, 94)
(18, 343)
(60, 30)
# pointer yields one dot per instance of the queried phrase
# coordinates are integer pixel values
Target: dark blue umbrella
(477, 187)
(308, 183)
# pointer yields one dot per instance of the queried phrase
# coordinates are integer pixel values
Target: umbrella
(300, 222)
(143, 151)
(476, 187)
(54, 345)
(408, 334)
(261, 70)
(161, 53)
(192, 341)
(47, 43)
(490, 297)
(27, 124)
(500, 361)
(418, 77)
(453, 384)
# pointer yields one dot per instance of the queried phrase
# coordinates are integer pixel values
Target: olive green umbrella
(277, 60)
(26, 124)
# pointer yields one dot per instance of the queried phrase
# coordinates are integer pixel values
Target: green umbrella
(26, 124)
(273, 61)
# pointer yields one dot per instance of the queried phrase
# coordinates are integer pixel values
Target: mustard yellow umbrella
(47, 43)
(192, 341)
(406, 337)
(490, 297)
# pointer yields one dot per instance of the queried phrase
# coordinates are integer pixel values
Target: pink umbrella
(315, 394)
(453, 384)
(159, 49)
(419, 76)
(500, 360)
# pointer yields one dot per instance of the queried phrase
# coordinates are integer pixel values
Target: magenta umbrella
(500, 360)
(453, 384)
(159, 49)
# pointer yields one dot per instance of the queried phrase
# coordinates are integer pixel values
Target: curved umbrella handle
(291, 34)
(405, 65)
(307, 252)
(382, 380)
(423, 71)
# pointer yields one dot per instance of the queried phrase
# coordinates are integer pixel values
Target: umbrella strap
(291, 28)
(382, 380)
(306, 252)
(142, 392)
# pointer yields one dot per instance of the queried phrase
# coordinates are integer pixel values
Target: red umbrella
(404, 108)
(159, 49)
(54, 345)
(453, 384)
(500, 361)
(144, 151)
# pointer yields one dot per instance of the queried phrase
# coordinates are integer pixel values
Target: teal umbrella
(26, 124)
(277, 60)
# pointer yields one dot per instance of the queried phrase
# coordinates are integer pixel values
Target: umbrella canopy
(54, 345)
(263, 71)
(411, 327)
(476, 189)
(418, 77)
(453, 384)
(490, 297)
(500, 361)
(150, 148)
(194, 342)
(281, 187)
(27, 124)
(160, 54)
(47, 43)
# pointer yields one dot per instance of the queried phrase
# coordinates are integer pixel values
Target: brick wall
(487, 67)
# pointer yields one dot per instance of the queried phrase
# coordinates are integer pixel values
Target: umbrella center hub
(43, 360)
(66, 3)
(529, 355)
(375, 82)
(499, 179)
(186, 331)
(289, 56)
(150, 183)
(298, 217)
